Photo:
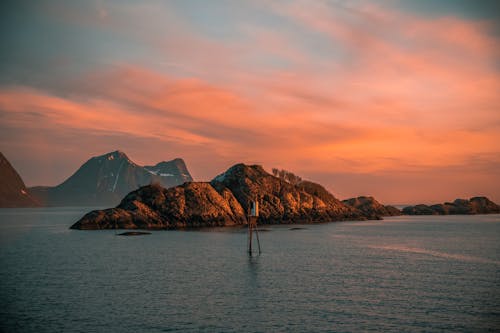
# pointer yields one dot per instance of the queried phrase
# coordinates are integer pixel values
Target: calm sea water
(417, 274)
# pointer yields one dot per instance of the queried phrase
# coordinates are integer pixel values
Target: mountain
(222, 202)
(13, 192)
(105, 180)
(371, 207)
(475, 205)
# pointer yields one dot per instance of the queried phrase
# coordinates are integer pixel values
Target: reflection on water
(253, 267)
(460, 257)
(402, 274)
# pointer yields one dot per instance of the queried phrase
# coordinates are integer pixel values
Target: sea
(402, 274)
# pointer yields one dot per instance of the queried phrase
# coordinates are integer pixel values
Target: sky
(395, 99)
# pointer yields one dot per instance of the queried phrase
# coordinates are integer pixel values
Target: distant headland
(475, 205)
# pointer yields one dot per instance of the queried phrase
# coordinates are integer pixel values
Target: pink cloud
(404, 94)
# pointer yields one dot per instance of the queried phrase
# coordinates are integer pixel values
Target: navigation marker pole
(252, 225)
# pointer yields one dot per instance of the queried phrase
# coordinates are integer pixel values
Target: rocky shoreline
(225, 200)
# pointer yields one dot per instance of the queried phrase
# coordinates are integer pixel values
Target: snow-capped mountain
(174, 171)
(13, 192)
(105, 180)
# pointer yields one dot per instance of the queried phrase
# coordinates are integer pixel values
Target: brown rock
(475, 205)
(154, 207)
(371, 207)
(222, 202)
(280, 201)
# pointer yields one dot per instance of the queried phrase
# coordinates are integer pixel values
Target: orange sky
(366, 99)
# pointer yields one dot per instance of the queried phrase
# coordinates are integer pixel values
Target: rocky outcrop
(13, 192)
(280, 201)
(475, 205)
(371, 207)
(222, 202)
(189, 205)
(105, 180)
(419, 210)
(483, 205)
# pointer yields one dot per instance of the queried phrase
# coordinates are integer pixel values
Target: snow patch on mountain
(158, 173)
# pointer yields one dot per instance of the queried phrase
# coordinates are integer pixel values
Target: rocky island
(475, 205)
(371, 207)
(224, 201)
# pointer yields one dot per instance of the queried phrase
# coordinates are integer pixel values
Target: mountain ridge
(105, 179)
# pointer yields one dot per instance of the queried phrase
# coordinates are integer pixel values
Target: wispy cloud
(322, 88)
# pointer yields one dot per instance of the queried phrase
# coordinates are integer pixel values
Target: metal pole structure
(250, 226)
(253, 215)
(257, 234)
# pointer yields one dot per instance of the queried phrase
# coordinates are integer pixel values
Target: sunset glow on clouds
(367, 98)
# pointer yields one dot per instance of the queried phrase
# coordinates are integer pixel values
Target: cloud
(318, 88)
(141, 103)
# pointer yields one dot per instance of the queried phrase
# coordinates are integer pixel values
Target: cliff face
(106, 179)
(475, 205)
(13, 192)
(371, 207)
(222, 202)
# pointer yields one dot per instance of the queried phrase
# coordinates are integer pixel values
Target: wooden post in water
(252, 225)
